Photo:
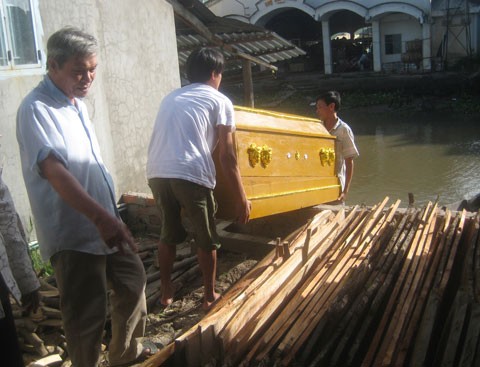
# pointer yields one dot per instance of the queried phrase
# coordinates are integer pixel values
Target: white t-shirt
(185, 134)
(345, 148)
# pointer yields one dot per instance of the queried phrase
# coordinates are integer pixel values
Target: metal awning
(197, 26)
(267, 46)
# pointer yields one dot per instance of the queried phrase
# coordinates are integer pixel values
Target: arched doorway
(350, 40)
(303, 31)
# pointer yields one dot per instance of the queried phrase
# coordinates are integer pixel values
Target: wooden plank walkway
(370, 287)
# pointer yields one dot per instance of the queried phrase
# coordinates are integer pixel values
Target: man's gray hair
(68, 42)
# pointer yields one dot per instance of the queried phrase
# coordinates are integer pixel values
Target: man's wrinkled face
(75, 76)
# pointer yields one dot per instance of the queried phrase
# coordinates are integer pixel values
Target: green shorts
(174, 195)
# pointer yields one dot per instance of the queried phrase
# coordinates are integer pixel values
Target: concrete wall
(402, 24)
(138, 65)
(458, 37)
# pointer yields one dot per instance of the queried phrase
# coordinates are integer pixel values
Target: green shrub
(41, 268)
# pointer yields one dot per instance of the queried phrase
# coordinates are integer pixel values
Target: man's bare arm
(228, 161)
(112, 230)
(348, 178)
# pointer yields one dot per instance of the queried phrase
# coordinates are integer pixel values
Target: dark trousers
(11, 354)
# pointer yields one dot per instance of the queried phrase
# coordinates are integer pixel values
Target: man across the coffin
(193, 121)
(327, 106)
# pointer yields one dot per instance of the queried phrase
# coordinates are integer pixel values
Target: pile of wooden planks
(373, 286)
(30, 327)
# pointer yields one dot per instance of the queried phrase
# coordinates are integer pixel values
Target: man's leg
(166, 258)
(11, 353)
(200, 207)
(208, 265)
(126, 276)
(82, 284)
(172, 231)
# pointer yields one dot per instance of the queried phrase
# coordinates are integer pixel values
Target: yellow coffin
(287, 162)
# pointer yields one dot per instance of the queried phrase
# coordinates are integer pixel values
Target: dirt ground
(166, 324)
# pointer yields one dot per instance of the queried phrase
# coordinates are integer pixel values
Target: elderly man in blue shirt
(72, 199)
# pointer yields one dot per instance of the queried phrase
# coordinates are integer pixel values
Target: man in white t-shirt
(327, 106)
(190, 124)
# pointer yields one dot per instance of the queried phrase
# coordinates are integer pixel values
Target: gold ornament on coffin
(257, 154)
(254, 154)
(265, 156)
(327, 156)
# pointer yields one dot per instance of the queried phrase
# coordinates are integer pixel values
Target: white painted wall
(402, 24)
(138, 65)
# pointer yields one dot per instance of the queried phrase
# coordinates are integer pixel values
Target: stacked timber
(369, 287)
(31, 326)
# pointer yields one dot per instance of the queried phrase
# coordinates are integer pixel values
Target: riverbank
(451, 92)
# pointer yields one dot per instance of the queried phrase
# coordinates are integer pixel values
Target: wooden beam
(248, 99)
(193, 22)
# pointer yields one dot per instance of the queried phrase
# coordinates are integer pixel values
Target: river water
(431, 155)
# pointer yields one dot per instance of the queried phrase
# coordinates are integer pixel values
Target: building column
(327, 49)
(427, 46)
(376, 41)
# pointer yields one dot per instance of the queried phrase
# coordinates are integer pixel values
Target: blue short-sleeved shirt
(48, 123)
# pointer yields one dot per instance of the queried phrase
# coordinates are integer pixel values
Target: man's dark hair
(202, 62)
(331, 97)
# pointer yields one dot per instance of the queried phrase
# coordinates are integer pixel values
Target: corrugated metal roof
(255, 41)
(267, 46)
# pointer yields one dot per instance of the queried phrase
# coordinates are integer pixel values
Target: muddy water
(428, 154)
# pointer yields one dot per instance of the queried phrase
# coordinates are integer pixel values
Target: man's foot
(144, 355)
(209, 302)
(167, 293)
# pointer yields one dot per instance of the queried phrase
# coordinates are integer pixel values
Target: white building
(418, 33)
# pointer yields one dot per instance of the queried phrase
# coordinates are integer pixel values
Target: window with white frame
(393, 44)
(18, 41)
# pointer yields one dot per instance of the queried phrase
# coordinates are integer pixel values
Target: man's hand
(342, 197)
(116, 234)
(243, 211)
(31, 301)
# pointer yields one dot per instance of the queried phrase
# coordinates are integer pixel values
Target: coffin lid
(262, 120)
